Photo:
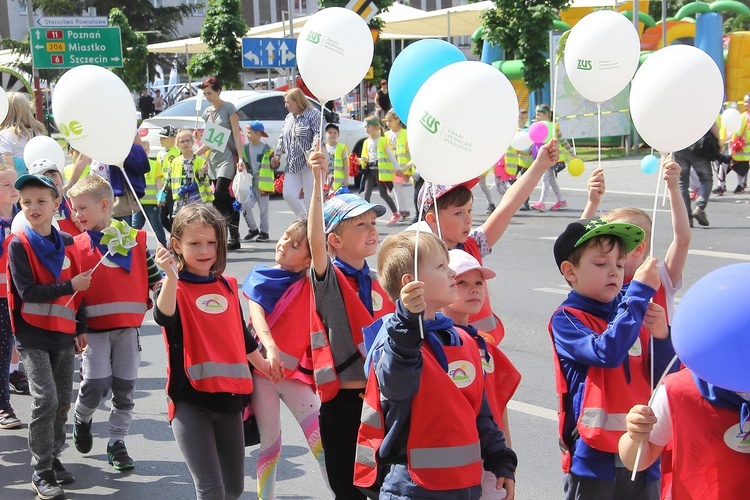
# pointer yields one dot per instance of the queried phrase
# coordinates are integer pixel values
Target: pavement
(526, 291)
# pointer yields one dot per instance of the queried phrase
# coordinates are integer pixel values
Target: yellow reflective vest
(155, 173)
(265, 174)
(385, 167)
(340, 165)
(203, 182)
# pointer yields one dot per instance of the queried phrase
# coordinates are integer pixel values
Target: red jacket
(443, 449)
(711, 455)
(325, 370)
(116, 298)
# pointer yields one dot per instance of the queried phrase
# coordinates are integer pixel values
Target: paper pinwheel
(119, 237)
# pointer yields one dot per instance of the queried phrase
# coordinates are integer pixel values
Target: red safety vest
(607, 395)
(4, 265)
(54, 316)
(443, 449)
(290, 326)
(501, 379)
(711, 454)
(325, 372)
(215, 360)
(116, 298)
(66, 223)
(485, 320)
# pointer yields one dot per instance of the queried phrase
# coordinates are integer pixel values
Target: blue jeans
(154, 217)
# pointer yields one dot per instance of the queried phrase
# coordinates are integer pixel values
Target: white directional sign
(269, 52)
(72, 21)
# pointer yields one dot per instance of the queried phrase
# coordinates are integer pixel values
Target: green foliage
(134, 51)
(223, 26)
(381, 60)
(521, 28)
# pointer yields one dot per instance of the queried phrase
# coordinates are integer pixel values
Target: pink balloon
(538, 132)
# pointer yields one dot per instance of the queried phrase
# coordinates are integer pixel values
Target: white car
(267, 106)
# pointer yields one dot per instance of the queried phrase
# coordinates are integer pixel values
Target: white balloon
(42, 147)
(334, 52)
(521, 141)
(95, 112)
(3, 104)
(461, 121)
(731, 120)
(20, 222)
(601, 54)
(675, 97)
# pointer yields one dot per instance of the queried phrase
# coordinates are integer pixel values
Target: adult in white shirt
(18, 128)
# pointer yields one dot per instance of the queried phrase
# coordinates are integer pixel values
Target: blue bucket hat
(346, 206)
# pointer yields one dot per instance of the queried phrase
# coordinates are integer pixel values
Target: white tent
(461, 20)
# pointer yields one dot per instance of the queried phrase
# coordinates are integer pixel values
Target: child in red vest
(64, 215)
(205, 406)
(279, 304)
(500, 376)
(670, 269)
(44, 271)
(601, 341)
(707, 427)
(426, 421)
(115, 304)
(450, 206)
(347, 298)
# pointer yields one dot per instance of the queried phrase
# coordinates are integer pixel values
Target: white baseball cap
(462, 262)
(43, 166)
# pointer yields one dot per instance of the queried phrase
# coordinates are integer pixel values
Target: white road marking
(720, 255)
(536, 411)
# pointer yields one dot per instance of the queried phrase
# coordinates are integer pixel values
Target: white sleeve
(6, 142)
(661, 434)
(670, 289)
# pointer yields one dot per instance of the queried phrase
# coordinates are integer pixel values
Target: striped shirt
(298, 135)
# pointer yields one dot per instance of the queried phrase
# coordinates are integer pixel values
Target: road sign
(59, 48)
(365, 8)
(269, 52)
(72, 21)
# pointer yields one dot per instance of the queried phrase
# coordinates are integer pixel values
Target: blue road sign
(269, 52)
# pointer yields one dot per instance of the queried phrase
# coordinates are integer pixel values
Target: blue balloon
(711, 328)
(650, 164)
(413, 66)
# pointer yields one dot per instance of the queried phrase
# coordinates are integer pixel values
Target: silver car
(267, 106)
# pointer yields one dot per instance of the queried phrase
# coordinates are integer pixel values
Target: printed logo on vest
(462, 373)
(212, 303)
(635, 349)
(738, 441)
(377, 301)
(487, 366)
(66, 262)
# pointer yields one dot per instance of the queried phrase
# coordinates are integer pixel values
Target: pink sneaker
(394, 219)
(539, 206)
(559, 205)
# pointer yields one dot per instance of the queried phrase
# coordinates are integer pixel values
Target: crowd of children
(395, 377)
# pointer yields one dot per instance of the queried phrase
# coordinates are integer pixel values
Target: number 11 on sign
(215, 137)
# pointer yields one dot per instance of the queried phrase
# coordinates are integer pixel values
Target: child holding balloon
(379, 166)
(447, 210)
(671, 267)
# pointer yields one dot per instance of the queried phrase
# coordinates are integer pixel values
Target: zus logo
(71, 128)
(313, 37)
(584, 64)
(430, 123)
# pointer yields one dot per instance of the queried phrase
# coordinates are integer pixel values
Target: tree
(521, 28)
(381, 60)
(135, 51)
(223, 27)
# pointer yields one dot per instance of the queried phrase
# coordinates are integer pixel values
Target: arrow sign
(268, 52)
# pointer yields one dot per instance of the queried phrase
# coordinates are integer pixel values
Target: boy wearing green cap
(601, 340)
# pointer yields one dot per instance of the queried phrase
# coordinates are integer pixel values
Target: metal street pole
(290, 6)
(38, 104)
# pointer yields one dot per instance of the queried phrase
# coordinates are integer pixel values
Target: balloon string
(90, 273)
(320, 143)
(554, 101)
(416, 258)
(656, 204)
(599, 133)
(666, 187)
(650, 402)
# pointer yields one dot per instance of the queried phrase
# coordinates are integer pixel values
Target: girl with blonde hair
(18, 128)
